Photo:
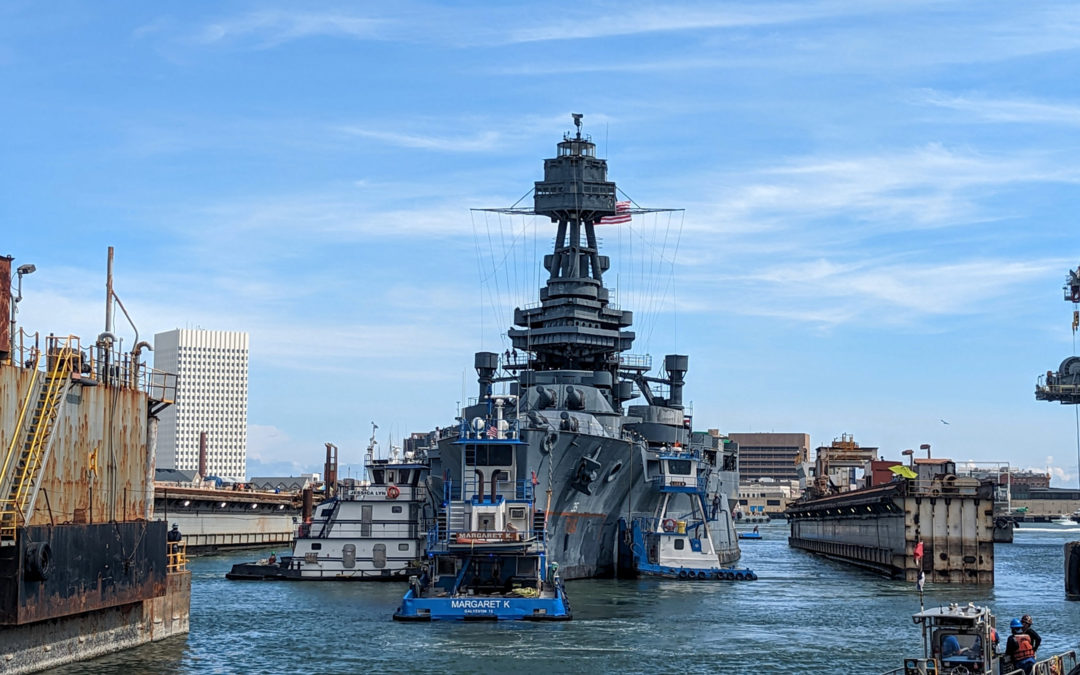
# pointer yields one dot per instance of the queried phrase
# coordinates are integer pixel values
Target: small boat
(754, 534)
(962, 640)
(487, 552)
(676, 541)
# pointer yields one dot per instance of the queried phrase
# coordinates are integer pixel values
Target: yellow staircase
(21, 470)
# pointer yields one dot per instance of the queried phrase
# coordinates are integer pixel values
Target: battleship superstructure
(593, 457)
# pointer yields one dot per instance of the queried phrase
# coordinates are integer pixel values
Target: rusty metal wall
(957, 535)
(92, 567)
(5, 305)
(97, 423)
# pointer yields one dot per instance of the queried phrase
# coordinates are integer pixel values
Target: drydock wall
(222, 519)
(878, 528)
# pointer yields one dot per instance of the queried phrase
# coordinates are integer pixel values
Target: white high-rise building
(211, 396)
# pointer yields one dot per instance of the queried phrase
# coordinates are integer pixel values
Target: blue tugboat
(487, 554)
(676, 542)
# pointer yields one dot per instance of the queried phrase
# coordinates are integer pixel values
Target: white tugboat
(676, 540)
(373, 530)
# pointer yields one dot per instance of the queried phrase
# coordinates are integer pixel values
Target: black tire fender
(38, 561)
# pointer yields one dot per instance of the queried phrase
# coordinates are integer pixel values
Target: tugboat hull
(483, 609)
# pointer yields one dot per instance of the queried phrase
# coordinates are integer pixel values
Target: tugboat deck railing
(517, 490)
(669, 483)
(1059, 664)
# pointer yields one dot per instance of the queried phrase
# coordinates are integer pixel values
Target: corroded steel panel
(92, 567)
(96, 470)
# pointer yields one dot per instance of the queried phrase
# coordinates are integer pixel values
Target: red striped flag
(622, 215)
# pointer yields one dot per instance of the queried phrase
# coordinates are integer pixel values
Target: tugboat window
(403, 547)
(378, 474)
(316, 547)
(396, 509)
(499, 455)
(679, 467)
(378, 554)
(679, 544)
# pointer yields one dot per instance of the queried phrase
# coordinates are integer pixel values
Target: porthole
(612, 474)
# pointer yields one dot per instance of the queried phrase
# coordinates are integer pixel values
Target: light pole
(21, 271)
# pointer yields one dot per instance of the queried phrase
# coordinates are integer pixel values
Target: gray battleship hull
(583, 519)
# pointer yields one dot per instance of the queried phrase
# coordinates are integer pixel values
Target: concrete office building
(769, 455)
(211, 396)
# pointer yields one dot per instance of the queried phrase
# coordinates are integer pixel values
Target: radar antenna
(577, 123)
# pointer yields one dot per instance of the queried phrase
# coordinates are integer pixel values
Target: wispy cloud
(928, 187)
(274, 27)
(625, 21)
(486, 141)
(1003, 110)
(890, 293)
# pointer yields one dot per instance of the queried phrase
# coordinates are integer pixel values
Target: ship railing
(101, 362)
(940, 488)
(507, 489)
(176, 557)
(1059, 664)
(515, 360)
(653, 524)
(636, 361)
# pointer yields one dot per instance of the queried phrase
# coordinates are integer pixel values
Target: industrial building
(771, 455)
(211, 396)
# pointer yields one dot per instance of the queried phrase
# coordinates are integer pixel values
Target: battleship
(592, 454)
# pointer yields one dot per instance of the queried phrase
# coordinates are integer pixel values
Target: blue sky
(880, 201)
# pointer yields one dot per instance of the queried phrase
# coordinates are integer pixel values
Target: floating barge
(880, 527)
(84, 567)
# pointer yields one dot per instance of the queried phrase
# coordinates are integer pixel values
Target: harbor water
(804, 615)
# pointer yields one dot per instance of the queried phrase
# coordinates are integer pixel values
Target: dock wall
(209, 531)
(879, 529)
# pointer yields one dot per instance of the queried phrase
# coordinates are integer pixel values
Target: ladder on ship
(30, 444)
(451, 519)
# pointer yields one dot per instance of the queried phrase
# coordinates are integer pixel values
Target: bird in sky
(943, 422)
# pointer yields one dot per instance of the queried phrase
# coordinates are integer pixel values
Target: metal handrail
(15, 438)
(176, 557)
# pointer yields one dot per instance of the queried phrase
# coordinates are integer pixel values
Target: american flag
(622, 215)
(492, 431)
